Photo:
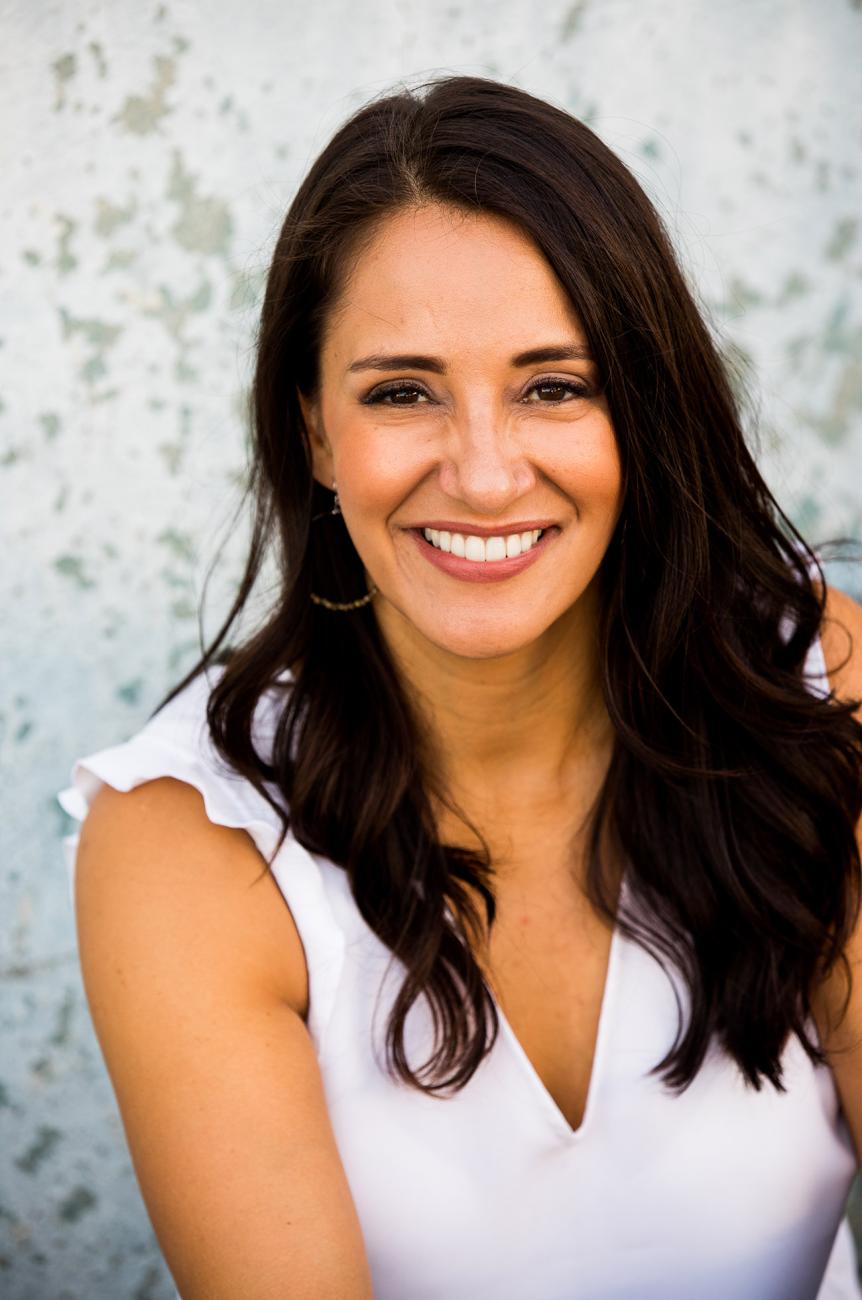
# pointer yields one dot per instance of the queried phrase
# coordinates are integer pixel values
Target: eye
(410, 391)
(378, 395)
(556, 385)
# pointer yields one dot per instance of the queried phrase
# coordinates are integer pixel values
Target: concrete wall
(148, 154)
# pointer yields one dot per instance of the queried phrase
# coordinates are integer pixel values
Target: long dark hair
(733, 790)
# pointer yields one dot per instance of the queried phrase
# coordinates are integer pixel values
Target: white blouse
(720, 1193)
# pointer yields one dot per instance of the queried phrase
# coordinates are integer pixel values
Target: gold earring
(338, 604)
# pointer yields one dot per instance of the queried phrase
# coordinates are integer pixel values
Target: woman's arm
(845, 625)
(189, 973)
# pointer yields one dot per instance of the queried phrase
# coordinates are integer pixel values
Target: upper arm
(841, 639)
(214, 1072)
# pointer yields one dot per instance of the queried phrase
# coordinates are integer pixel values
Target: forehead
(459, 281)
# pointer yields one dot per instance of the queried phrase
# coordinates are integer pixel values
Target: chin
(477, 640)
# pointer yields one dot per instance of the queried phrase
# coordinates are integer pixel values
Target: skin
(506, 672)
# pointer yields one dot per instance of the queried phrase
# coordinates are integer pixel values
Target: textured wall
(148, 154)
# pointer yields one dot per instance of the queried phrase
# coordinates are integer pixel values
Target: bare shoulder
(153, 852)
(841, 639)
(182, 936)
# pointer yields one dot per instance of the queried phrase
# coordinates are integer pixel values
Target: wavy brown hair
(733, 790)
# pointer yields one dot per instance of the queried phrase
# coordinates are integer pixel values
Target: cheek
(381, 469)
(591, 471)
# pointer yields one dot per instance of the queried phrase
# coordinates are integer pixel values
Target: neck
(514, 731)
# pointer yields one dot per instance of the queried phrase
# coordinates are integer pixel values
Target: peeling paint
(119, 259)
(204, 224)
(110, 216)
(99, 58)
(130, 692)
(835, 424)
(65, 1012)
(843, 238)
(795, 286)
(99, 334)
(66, 260)
(72, 566)
(179, 543)
(246, 289)
(78, 1202)
(572, 19)
(64, 70)
(172, 454)
(837, 337)
(147, 1287)
(740, 297)
(142, 114)
(174, 313)
(45, 1143)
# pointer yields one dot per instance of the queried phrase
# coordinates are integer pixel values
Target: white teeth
(482, 549)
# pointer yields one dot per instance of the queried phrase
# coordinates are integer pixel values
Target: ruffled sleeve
(176, 743)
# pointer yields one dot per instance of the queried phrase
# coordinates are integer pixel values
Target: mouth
(476, 559)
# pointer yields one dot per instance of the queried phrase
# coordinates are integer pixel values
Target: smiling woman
(490, 443)
(551, 747)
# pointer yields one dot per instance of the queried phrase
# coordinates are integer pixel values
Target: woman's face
(432, 414)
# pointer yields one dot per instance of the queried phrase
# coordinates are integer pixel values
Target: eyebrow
(413, 361)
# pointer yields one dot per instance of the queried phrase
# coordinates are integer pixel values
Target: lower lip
(478, 570)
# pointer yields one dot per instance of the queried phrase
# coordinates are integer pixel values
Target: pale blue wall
(148, 154)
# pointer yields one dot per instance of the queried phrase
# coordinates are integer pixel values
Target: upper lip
(476, 530)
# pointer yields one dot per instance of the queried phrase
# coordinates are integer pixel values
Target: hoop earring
(338, 604)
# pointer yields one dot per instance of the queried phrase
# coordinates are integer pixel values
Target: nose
(485, 468)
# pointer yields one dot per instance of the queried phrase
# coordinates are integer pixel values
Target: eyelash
(375, 397)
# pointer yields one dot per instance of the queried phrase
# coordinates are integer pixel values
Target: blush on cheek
(380, 493)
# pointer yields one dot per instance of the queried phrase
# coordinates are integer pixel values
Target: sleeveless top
(488, 1194)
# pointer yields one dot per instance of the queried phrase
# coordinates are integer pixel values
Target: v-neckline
(569, 1135)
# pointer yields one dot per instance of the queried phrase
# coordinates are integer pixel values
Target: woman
(551, 647)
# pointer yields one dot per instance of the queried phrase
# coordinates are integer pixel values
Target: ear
(321, 452)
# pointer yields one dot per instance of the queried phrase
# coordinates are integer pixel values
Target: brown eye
(556, 386)
(379, 395)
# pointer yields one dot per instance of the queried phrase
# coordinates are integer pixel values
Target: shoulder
(171, 831)
(154, 872)
(841, 640)
(182, 939)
